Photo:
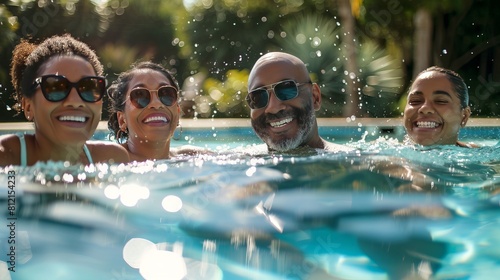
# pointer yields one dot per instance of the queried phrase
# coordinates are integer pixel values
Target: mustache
(300, 114)
(268, 117)
(262, 120)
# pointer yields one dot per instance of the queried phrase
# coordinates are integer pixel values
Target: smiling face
(156, 122)
(433, 114)
(284, 125)
(72, 120)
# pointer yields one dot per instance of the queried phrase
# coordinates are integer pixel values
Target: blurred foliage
(148, 29)
(225, 97)
(7, 37)
(210, 39)
(382, 77)
(465, 39)
(225, 39)
(316, 39)
(228, 34)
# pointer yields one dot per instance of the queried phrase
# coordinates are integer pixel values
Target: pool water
(217, 138)
(384, 211)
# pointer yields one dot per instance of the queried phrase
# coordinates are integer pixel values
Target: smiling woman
(437, 108)
(58, 86)
(145, 112)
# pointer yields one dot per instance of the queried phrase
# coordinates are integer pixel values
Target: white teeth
(427, 124)
(156, 119)
(281, 123)
(72, 119)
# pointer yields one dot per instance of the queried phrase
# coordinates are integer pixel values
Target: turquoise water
(384, 211)
(218, 138)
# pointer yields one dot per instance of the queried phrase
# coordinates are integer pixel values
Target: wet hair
(456, 81)
(117, 93)
(28, 58)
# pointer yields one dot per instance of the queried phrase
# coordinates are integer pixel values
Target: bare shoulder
(189, 150)
(9, 150)
(107, 152)
(332, 147)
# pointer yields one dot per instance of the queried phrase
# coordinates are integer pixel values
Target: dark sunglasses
(141, 97)
(56, 88)
(284, 90)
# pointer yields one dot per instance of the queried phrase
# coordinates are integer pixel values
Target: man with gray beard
(283, 101)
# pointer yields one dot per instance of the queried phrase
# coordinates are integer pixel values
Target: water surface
(386, 210)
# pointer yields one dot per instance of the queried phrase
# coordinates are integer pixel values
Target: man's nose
(274, 105)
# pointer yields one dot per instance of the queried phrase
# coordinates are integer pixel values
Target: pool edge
(223, 122)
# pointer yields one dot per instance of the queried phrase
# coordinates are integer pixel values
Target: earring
(178, 137)
(121, 136)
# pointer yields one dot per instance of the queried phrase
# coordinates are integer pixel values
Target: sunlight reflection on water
(257, 216)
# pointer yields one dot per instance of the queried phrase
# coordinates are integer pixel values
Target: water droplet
(316, 41)
(300, 38)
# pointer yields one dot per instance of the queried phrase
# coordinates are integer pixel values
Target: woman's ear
(121, 120)
(465, 115)
(27, 108)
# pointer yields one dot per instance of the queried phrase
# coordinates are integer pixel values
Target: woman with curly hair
(59, 87)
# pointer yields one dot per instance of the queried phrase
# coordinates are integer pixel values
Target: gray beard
(305, 119)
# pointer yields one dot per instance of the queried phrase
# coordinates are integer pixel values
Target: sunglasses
(56, 88)
(284, 90)
(141, 97)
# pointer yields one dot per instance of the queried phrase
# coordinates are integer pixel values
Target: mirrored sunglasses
(141, 97)
(284, 90)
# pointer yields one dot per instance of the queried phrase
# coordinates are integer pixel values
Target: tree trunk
(351, 108)
(422, 42)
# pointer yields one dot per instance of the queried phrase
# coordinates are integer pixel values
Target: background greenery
(363, 60)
